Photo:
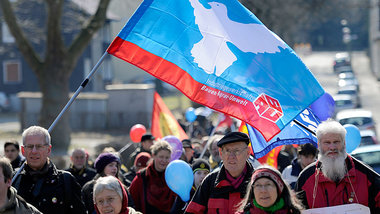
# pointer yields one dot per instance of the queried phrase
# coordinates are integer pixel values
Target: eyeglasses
(234, 152)
(268, 186)
(103, 202)
(38, 147)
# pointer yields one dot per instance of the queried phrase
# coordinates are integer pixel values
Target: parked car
(341, 59)
(353, 92)
(343, 101)
(370, 155)
(361, 118)
(368, 138)
(348, 79)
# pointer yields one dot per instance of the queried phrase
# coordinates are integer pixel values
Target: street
(321, 65)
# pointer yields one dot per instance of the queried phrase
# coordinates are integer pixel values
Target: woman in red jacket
(148, 189)
(268, 193)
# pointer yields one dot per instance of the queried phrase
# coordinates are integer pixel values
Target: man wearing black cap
(224, 188)
(146, 143)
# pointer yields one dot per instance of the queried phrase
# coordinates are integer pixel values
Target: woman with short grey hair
(111, 197)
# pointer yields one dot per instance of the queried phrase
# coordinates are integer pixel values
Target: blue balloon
(353, 137)
(323, 107)
(179, 177)
(190, 115)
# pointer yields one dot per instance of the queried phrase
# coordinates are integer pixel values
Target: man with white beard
(337, 178)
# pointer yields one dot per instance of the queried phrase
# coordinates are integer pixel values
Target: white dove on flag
(212, 53)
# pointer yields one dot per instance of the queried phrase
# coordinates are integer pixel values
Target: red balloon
(136, 132)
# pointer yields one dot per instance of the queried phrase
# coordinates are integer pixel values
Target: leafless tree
(54, 65)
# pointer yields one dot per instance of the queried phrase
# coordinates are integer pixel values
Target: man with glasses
(223, 189)
(40, 183)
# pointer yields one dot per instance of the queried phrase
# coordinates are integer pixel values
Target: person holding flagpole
(226, 187)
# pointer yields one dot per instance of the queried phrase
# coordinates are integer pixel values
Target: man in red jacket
(337, 178)
(223, 189)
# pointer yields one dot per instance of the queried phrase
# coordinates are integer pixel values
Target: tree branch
(23, 44)
(84, 37)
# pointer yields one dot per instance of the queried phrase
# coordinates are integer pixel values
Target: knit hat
(270, 174)
(200, 164)
(141, 159)
(103, 160)
(233, 137)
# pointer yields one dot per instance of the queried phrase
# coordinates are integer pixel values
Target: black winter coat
(51, 190)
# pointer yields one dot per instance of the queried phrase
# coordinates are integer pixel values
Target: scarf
(37, 174)
(235, 182)
(276, 206)
(158, 193)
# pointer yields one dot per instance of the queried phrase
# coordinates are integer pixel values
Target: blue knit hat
(103, 160)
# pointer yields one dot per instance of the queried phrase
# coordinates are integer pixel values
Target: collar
(276, 206)
(221, 178)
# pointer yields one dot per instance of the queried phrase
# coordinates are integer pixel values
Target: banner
(220, 55)
(163, 121)
(293, 133)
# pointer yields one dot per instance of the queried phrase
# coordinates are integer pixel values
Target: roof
(369, 148)
(367, 132)
(353, 113)
(342, 97)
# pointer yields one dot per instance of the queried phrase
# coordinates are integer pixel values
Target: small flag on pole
(163, 121)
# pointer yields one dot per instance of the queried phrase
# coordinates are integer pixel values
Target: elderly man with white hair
(337, 178)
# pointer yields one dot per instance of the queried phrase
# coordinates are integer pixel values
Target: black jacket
(50, 190)
(83, 175)
(16, 163)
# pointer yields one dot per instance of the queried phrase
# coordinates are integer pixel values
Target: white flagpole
(80, 88)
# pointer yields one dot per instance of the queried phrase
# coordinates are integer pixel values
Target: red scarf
(235, 182)
(158, 193)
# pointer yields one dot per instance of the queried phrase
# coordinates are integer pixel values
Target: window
(6, 34)
(12, 72)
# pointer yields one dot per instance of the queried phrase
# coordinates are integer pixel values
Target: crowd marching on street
(226, 180)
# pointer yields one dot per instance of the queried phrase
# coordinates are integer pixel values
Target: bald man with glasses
(224, 188)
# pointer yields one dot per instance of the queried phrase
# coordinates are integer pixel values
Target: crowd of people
(226, 180)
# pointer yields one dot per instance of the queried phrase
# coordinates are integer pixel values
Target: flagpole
(211, 134)
(80, 88)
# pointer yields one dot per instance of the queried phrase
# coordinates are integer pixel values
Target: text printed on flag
(222, 95)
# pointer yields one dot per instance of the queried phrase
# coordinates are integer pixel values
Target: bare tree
(54, 67)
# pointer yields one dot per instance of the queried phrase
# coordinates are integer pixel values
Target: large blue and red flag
(220, 55)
